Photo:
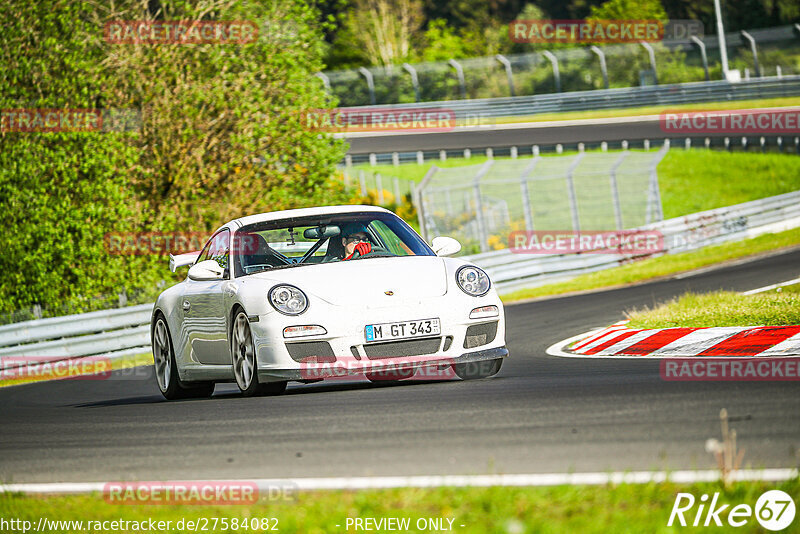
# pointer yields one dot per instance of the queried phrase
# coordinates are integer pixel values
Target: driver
(355, 238)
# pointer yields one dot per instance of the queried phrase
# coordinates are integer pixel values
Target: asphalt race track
(540, 414)
(499, 137)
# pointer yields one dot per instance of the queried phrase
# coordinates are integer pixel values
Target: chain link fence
(480, 205)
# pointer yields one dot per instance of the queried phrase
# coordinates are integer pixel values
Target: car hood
(368, 280)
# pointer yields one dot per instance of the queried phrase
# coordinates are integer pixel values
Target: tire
(245, 365)
(166, 371)
(476, 370)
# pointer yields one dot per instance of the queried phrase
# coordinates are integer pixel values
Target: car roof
(303, 212)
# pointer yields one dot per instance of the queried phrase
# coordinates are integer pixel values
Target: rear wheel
(170, 385)
(475, 370)
(245, 368)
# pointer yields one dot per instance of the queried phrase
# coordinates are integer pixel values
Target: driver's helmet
(354, 228)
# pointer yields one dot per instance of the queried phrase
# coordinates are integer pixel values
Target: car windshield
(323, 239)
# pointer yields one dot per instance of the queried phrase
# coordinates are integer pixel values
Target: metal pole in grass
(603, 69)
(702, 46)
(723, 50)
(754, 51)
(370, 83)
(573, 199)
(526, 199)
(460, 74)
(379, 187)
(418, 194)
(362, 179)
(658, 209)
(476, 184)
(396, 183)
(615, 189)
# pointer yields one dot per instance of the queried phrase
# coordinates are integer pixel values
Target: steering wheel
(375, 250)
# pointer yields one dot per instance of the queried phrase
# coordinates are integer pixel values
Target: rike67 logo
(774, 510)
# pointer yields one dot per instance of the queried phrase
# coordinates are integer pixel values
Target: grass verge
(723, 308)
(653, 268)
(623, 508)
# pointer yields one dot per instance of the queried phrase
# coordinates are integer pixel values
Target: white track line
(773, 286)
(436, 481)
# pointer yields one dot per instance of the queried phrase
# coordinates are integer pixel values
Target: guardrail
(472, 111)
(510, 271)
(108, 333)
(125, 331)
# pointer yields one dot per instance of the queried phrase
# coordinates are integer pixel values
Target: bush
(220, 137)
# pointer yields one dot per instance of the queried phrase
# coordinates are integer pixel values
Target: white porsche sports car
(315, 293)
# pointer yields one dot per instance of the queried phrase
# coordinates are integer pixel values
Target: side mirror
(206, 270)
(445, 246)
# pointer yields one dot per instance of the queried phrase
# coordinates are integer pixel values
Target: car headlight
(288, 299)
(472, 281)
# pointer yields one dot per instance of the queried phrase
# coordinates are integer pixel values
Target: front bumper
(314, 372)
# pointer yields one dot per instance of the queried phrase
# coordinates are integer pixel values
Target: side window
(218, 248)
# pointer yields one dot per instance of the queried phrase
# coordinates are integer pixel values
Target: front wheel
(476, 370)
(166, 370)
(245, 368)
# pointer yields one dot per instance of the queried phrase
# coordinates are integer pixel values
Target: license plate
(402, 330)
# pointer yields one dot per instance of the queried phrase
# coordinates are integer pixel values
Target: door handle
(186, 305)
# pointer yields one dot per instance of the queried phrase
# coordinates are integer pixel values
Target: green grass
(623, 508)
(723, 308)
(725, 178)
(662, 266)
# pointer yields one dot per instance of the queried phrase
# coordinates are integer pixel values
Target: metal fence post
(326, 82)
(656, 193)
(417, 194)
(370, 83)
(509, 73)
(363, 181)
(414, 80)
(615, 189)
(526, 199)
(652, 54)
(702, 46)
(556, 74)
(573, 199)
(379, 187)
(753, 50)
(603, 69)
(460, 74)
(396, 184)
(476, 184)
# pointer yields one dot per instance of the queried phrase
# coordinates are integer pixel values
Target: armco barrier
(110, 333)
(658, 95)
(510, 271)
(124, 331)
